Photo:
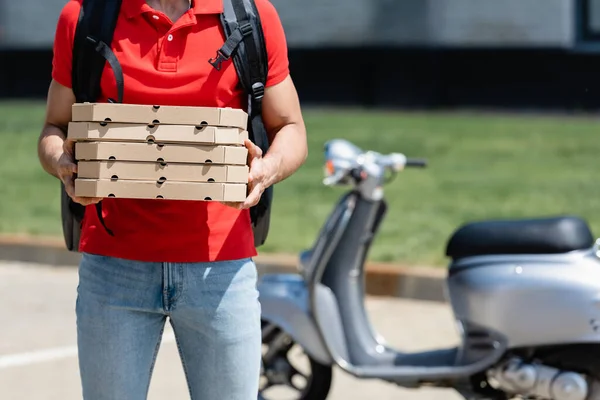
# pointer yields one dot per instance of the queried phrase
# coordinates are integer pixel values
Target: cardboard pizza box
(147, 171)
(93, 131)
(156, 114)
(201, 191)
(169, 153)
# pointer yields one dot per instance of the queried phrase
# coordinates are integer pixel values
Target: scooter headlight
(329, 169)
(333, 175)
(340, 157)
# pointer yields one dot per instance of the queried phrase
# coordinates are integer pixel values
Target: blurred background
(408, 53)
(500, 96)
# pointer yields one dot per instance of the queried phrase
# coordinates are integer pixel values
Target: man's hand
(258, 177)
(66, 168)
(288, 150)
(55, 150)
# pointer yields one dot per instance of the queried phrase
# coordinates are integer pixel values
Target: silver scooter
(525, 295)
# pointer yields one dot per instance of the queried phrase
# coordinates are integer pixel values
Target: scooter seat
(528, 236)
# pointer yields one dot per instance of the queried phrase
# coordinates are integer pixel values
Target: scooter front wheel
(288, 373)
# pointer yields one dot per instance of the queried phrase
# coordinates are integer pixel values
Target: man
(186, 260)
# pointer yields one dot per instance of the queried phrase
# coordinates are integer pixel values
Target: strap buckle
(230, 45)
(95, 42)
(246, 29)
(258, 91)
(218, 60)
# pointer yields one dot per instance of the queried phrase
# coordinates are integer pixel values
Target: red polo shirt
(166, 63)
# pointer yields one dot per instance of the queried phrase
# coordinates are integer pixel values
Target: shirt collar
(133, 8)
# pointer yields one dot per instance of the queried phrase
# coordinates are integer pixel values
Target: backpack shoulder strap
(246, 45)
(91, 48)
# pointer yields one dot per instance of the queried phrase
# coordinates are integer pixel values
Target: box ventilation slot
(153, 123)
(105, 122)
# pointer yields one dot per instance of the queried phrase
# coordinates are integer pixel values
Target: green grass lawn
(481, 166)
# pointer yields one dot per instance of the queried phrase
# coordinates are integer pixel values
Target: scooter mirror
(340, 157)
(341, 149)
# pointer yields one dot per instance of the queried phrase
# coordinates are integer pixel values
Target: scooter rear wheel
(284, 375)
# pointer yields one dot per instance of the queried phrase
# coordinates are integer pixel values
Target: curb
(389, 280)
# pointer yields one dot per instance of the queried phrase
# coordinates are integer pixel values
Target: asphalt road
(38, 356)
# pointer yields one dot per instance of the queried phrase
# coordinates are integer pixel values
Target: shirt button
(155, 17)
(170, 38)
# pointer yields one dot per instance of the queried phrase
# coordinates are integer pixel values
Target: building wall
(28, 24)
(342, 23)
(387, 53)
(456, 23)
(516, 23)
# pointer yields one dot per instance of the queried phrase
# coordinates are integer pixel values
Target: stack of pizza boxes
(160, 152)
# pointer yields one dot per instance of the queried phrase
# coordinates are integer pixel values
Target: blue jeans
(213, 308)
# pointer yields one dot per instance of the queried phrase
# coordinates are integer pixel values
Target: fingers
(253, 150)
(67, 170)
(256, 176)
(66, 167)
(86, 201)
(256, 173)
(70, 189)
(69, 146)
(69, 182)
(236, 205)
(66, 173)
(253, 197)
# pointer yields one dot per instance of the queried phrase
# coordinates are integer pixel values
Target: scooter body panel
(502, 304)
(532, 300)
(284, 300)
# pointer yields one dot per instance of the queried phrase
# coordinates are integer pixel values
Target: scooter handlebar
(398, 161)
(416, 162)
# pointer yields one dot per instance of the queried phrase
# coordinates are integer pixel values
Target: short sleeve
(63, 42)
(275, 42)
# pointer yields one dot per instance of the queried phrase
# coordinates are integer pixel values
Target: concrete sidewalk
(412, 282)
(38, 352)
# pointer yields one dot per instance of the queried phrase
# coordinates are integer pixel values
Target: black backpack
(244, 43)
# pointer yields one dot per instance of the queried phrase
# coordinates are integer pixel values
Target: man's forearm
(50, 147)
(286, 154)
